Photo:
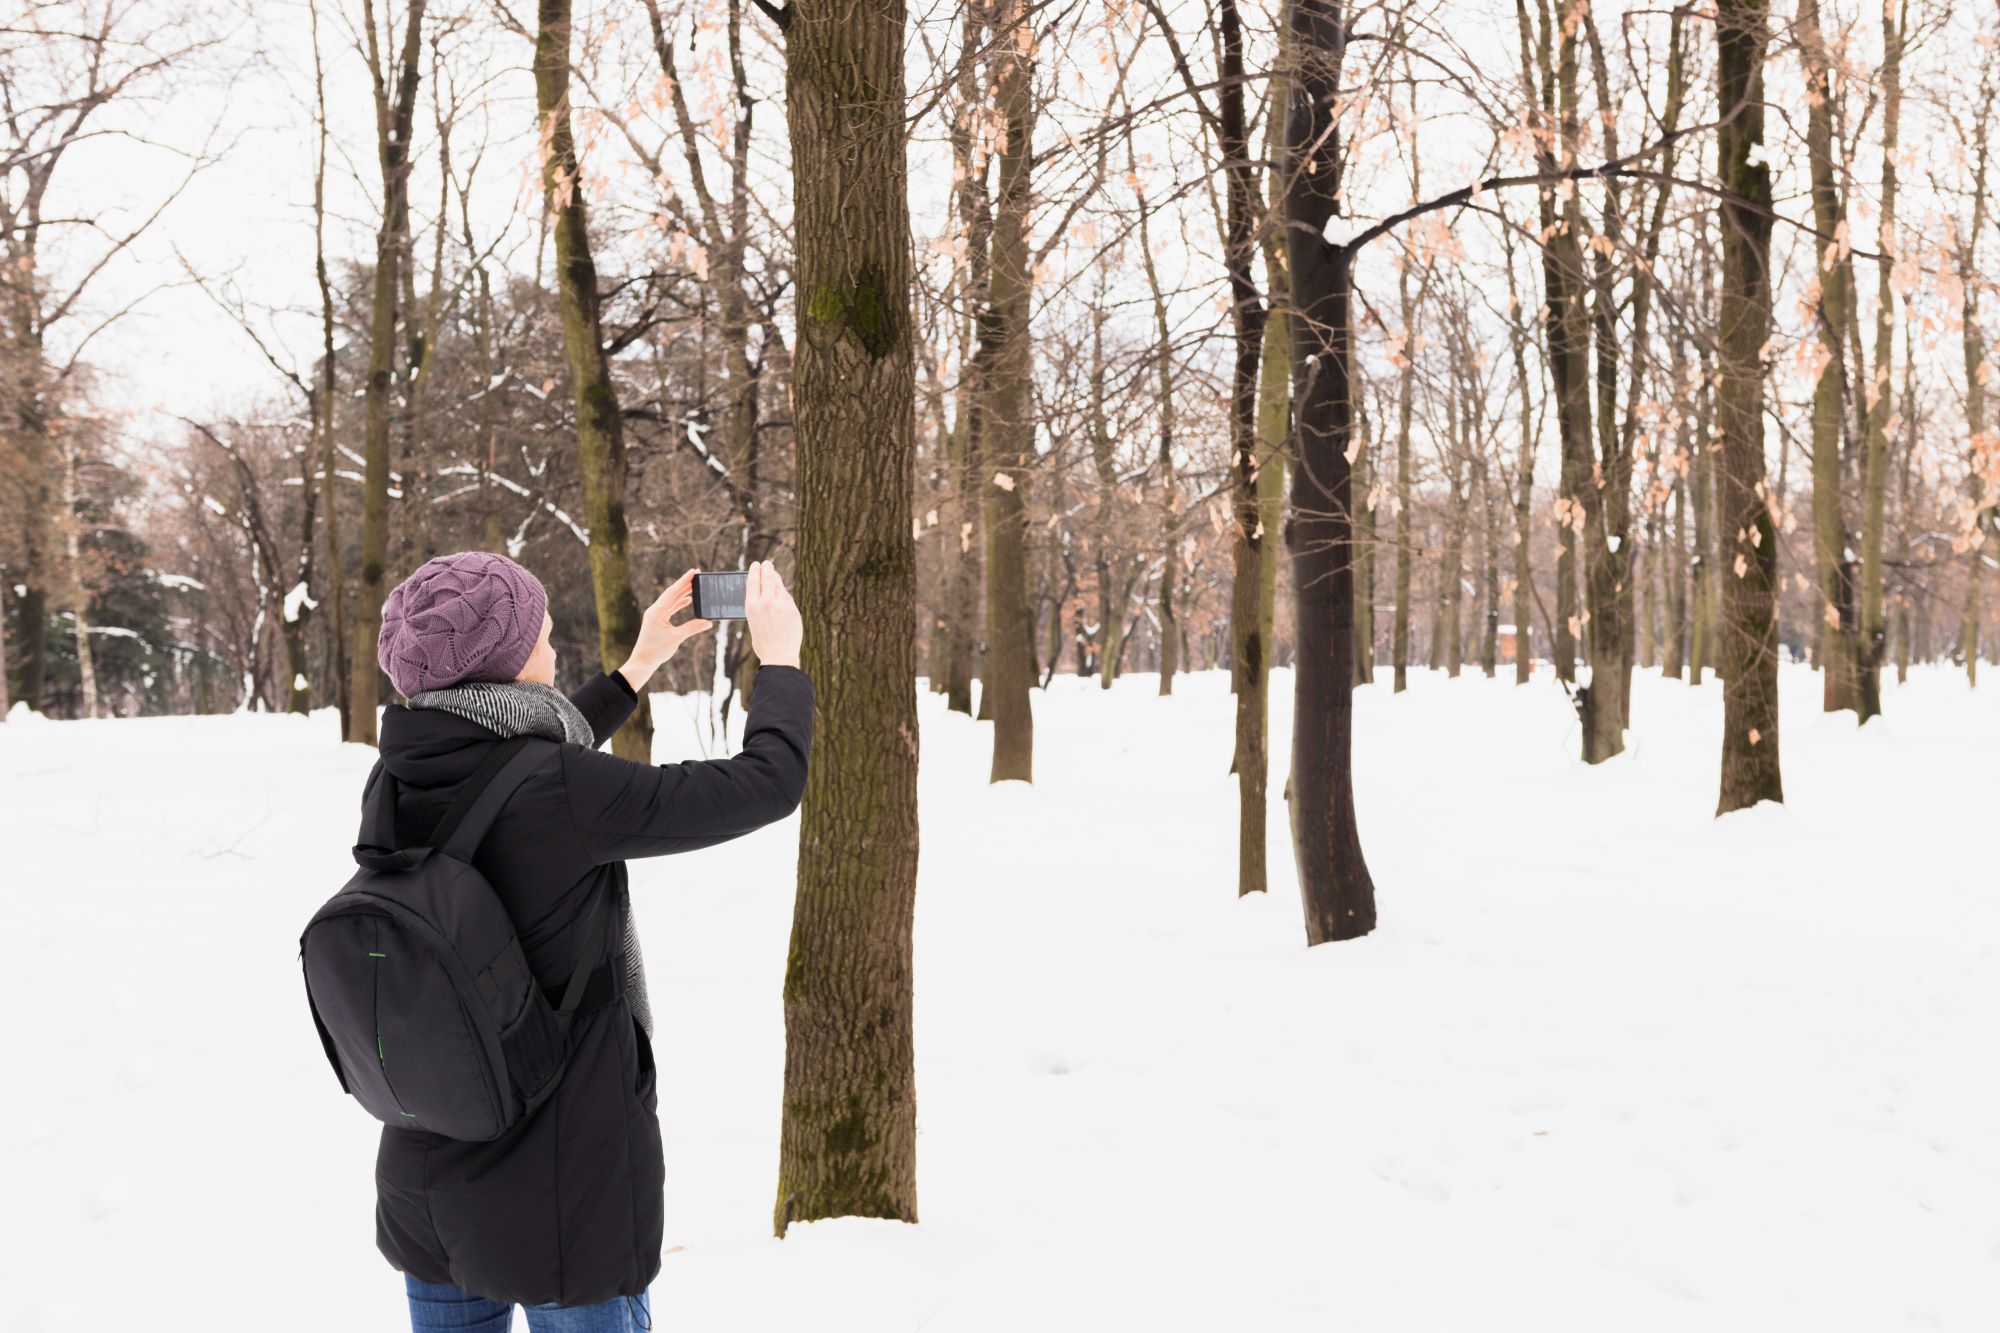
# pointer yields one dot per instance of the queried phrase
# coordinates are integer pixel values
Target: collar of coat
(512, 708)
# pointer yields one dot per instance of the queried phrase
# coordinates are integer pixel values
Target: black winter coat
(567, 1206)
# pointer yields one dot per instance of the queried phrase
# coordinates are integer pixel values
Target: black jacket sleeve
(623, 809)
(605, 700)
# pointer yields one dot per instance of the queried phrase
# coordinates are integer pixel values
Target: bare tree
(395, 92)
(600, 429)
(67, 69)
(1339, 895)
(1749, 626)
(1007, 439)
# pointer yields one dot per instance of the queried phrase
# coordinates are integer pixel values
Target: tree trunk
(1364, 554)
(1615, 628)
(1677, 562)
(1251, 404)
(1904, 641)
(1524, 488)
(1338, 895)
(1489, 567)
(1836, 626)
(1009, 426)
(1880, 399)
(393, 120)
(322, 408)
(1451, 563)
(847, 1145)
(33, 617)
(77, 587)
(1701, 653)
(1170, 570)
(1274, 425)
(963, 602)
(37, 537)
(1749, 629)
(1253, 595)
(1554, 74)
(1974, 342)
(600, 433)
(1649, 582)
(1110, 617)
(1405, 410)
(1111, 599)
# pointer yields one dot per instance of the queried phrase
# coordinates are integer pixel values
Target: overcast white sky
(245, 222)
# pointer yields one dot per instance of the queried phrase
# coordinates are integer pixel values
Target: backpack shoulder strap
(378, 848)
(470, 788)
(490, 787)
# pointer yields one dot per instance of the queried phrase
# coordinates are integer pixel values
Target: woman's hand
(659, 637)
(775, 627)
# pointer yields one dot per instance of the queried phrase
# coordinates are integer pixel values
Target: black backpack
(417, 983)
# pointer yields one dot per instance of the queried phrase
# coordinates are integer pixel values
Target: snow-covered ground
(1608, 1063)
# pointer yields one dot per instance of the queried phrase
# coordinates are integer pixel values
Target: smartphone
(720, 596)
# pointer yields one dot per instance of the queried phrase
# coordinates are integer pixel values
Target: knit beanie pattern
(474, 616)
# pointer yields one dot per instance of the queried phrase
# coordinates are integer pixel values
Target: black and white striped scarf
(524, 708)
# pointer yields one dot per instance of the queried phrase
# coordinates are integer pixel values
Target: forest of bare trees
(1141, 336)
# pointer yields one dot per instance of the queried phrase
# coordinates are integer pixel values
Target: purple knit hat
(471, 616)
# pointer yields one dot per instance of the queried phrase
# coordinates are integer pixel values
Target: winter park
(1149, 664)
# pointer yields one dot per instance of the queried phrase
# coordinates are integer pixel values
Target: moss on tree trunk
(847, 1141)
(600, 434)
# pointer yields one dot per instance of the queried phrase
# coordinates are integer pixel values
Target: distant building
(1516, 644)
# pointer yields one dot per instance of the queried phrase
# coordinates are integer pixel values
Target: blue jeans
(437, 1308)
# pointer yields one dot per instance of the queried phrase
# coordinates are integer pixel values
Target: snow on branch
(467, 470)
(295, 600)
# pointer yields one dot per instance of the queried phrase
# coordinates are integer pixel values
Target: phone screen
(720, 596)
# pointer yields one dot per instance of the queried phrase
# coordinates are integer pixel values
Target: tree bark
(1524, 489)
(1253, 596)
(1555, 74)
(1974, 343)
(1250, 637)
(1749, 629)
(76, 587)
(394, 115)
(1701, 653)
(600, 432)
(1338, 896)
(971, 165)
(1009, 432)
(1837, 627)
(1364, 552)
(847, 1144)
(1676, 572)
(1607, 492)
(1489, 583)
(1113, 593)
(1448, 643)
(322, 406)
(1880, 399)
(1405, 539)
(1170, 570)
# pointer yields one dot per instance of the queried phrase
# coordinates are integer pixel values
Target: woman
(563, 1213)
